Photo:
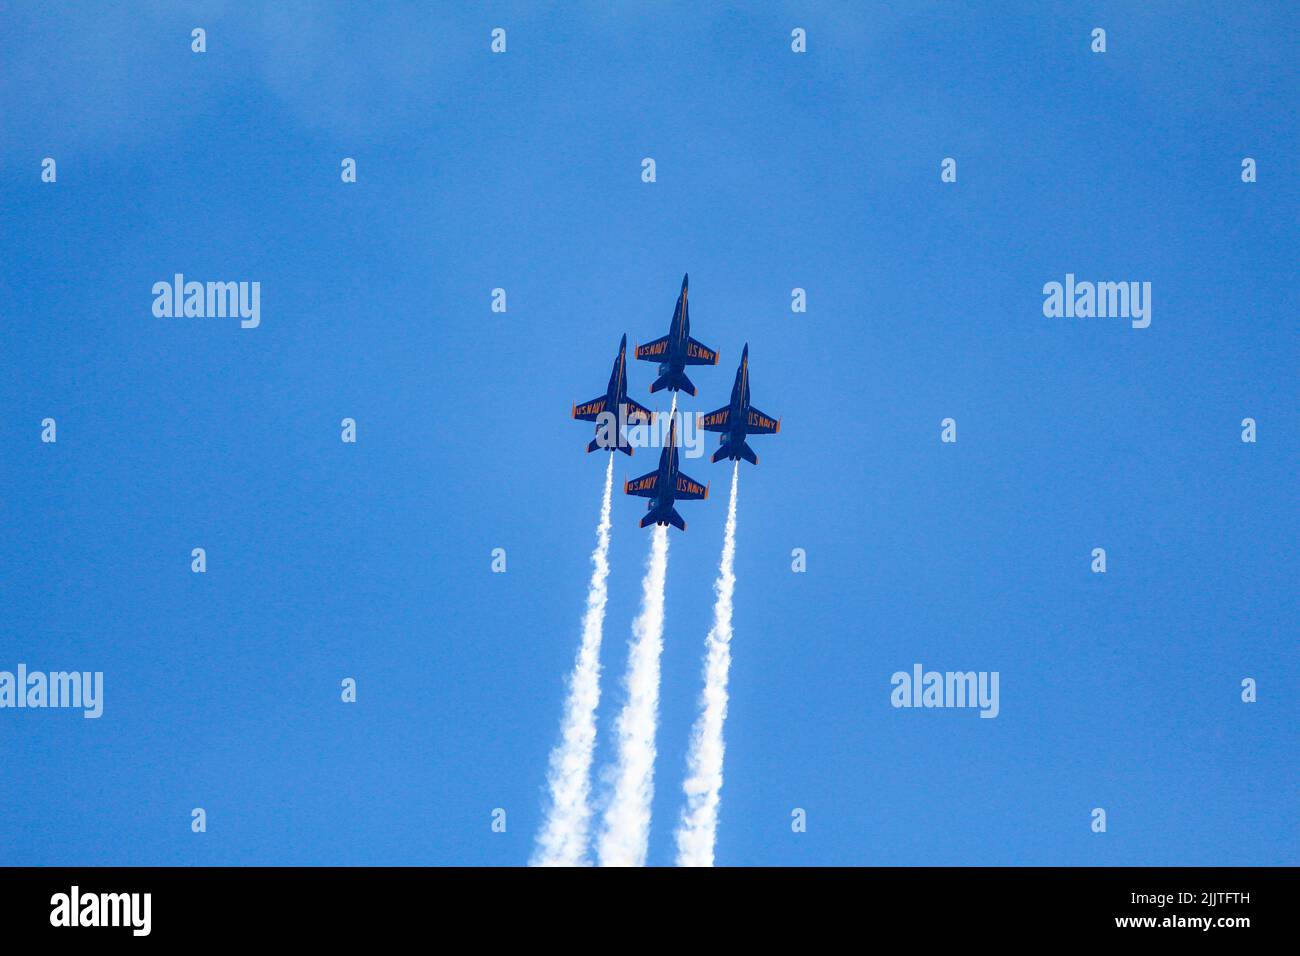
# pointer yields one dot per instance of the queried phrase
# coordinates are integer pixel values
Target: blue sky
(775, 171)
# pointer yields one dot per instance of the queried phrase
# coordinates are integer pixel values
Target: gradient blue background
(328, 560)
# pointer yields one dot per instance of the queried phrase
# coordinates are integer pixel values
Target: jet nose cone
(745, 354)
(686, 280)
(622, 344)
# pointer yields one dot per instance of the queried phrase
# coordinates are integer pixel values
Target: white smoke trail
(703, 786)
(627, 817)
(562, 840)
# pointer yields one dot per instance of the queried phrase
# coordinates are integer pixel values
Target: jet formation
(614, 412)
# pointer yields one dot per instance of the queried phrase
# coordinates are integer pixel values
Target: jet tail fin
(623, 446)
(659, 515)
(674, 381)
(736, 452)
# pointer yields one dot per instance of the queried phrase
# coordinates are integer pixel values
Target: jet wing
(588, 411)
(637, 414)
(761, 424)
(643, 487)
(688, 489)
(717, 421)
(699, 354)
(653, 351)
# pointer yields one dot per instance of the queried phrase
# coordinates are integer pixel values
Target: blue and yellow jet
(615, 401)
(665, 485)
(677, 349)
(739, 419)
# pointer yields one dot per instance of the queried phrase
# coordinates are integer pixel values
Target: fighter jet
(615, 401)
(676, 350)
(666, 485)
(738, 419)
